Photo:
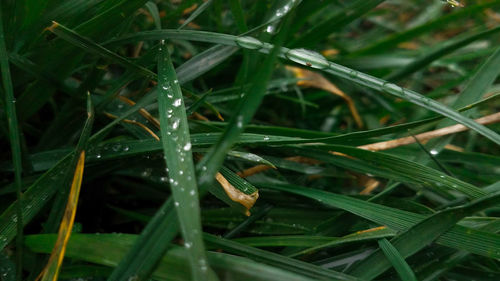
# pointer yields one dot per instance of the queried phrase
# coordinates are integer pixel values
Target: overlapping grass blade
(15, 142)
(90, 46)
(446, 48)
(112, 247)
(336, 21)
(458, 237)
(196, 13)
(398, 262)
(392, 167)
(422, 234)
(51, 271)
(392, 41)
(317, 61)
(244, 112)
(274, 259)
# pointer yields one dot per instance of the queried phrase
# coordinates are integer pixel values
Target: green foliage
(197, 117)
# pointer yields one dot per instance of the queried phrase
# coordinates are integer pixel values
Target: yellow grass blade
(51, 270)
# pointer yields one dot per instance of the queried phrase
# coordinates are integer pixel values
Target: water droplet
(248, 42)
(126, 148)
(192, 193)
(98, 156)
(163, 179)
(175, 124)
(146, 173)
(177, 103)
(116, 147)
(187, 147)
(266, 138)
(165, 87)
(188, 245)
(239, 121)
(307, 57)
(176, 204)
(434, 152)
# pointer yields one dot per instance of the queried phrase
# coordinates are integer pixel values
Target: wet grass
(249, 140)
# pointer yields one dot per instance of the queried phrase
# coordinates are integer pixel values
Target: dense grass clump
(249, 140)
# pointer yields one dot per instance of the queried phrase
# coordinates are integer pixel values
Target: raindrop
(188, 245)
(177, 103)
(175, 124)
(126, 148)
(98, 156)
(434, 152)
(192, 193)
(266, 138)
(187, 147)
(307, 57)
(248, 42)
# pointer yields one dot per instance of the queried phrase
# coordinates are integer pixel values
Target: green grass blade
(336, 21)
(110, 248)
(275, 259)
(15, 143)
(90, 46)
(244, 112)
(393, 167)
(439, 52)
(393, 40)
(397, 261)
(422, 234)
(203, 62)
(176, 144)
(457, 237)
(196, 13)
(317, 61)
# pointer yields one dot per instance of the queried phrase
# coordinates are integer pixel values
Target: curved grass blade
(203, 62)
(155, 14)
(392, 167)
(15, 143)
(39, 193)
(422, 234)
(90, 46)
(244, 112)
(397, 261)
(458, 237)
(51, 271)
(317, 61)
(393, 40)
(475, 88)
(110, 248)
(196, 13)
(178, 156)
(274, 259)
(336, 21)
(441, 51)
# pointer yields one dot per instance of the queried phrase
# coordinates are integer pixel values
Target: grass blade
(421, 234)
(304, 57)
(397, 261)
(51, 271)
(441, 51)
(176, 144)
(15, 143)
(457, 237)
